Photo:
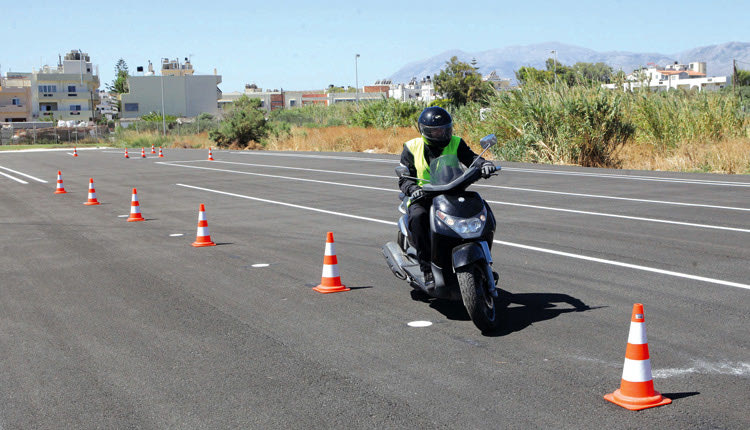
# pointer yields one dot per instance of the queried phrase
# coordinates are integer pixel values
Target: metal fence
(33, 133)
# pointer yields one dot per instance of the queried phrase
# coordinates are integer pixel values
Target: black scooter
(462, 227)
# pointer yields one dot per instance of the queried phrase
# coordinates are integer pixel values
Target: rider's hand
(417, 194)
(487, 169)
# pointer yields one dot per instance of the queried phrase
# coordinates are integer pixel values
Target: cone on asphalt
(126, 153)
(161, 155)
(143, 152)
(210, 155)
(636, 390)
(75, 153)
(153, 151)
(330, 281)
(60, 188)
(202, 237)
(135, 208)
(92, 194)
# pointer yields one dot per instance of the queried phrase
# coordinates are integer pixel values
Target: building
(185, 94)
(67, 92)
(423, 91)
(281, 99)
(15, 97)
(673, 76)
(107, 107)
(498, 83)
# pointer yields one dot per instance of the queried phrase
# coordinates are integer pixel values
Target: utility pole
(555, 67)
(163, 116)
(356, 80)
(734, 76)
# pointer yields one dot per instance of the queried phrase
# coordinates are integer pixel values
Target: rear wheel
(474, 285)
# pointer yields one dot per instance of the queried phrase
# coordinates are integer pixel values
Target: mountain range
(505, 61)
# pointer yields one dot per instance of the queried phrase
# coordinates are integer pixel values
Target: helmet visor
(437, 133)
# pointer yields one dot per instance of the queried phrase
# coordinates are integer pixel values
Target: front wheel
(474, 285)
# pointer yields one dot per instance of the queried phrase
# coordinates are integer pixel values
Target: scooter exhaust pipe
(394, 258)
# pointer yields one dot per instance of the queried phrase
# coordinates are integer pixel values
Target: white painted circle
(176, 235)
(260, 265)
(419, 324)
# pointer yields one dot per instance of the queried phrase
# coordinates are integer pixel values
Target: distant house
(68, 91)
(15, 97)
(282, 99)
(185, 94)
(673, 76)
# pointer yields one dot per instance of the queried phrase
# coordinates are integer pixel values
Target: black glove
(417, 195)
(487, 169)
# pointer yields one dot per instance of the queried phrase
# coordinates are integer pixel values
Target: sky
(303, 45)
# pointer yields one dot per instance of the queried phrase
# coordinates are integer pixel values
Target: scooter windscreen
(445, 169)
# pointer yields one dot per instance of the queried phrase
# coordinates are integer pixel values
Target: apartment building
(282, 99)
(690, 76)
(15, 97)
(177, 88)
(66, 92)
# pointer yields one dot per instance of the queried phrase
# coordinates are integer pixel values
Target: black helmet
(436, 126)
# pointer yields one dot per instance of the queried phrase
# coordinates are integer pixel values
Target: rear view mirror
(402, 171)
(488, 141)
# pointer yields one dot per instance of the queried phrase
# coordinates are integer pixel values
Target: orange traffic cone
(143, 152)
(330, 282)
(153, 151)
(60, 188)
(210, 156)
(135, 208)
(636, 390)
(75, 153)
(161, 155)
(202, 237)
(126, 153)
(92, 194)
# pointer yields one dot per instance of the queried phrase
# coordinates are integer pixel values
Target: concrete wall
(184, 96)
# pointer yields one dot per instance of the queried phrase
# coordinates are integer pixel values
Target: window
(292, 103)
(75, 108)
(47, 88)
(131, 107)
(71, 88)
(16, 101)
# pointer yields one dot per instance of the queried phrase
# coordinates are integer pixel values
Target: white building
(423, 91)
(107, 107)
(184, 93)
(673, 76)
(67, 92)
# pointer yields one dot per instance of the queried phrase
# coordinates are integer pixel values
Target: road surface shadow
(517, 311)
(675, 396)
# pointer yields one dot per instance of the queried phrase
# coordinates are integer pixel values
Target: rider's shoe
(429, 281)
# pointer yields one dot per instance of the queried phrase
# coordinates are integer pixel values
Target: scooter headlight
(465, 227)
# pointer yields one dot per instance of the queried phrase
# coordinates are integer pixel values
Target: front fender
(468, 253)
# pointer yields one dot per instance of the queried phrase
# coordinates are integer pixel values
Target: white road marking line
(419, 324)
(13, 178)
(392, 190)
(393, 177)
(635, 218)
(24, 174)
(519, 169)
(174, 234)
(289, 205)
(260, 265)
(703, 367)
(499, 242)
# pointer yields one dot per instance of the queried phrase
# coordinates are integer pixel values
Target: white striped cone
(126, 153)
(636, 390)
(92, 194)
(202, 237)
(143, 152)
(153, 151)
(330, 281)
(161, 154)
(135, 208)
(60, 188)
(210, 155)
(75, 152)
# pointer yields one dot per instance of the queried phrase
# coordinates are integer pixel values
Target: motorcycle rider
(436, 128)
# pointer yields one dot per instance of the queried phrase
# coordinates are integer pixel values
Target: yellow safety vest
(416, 147)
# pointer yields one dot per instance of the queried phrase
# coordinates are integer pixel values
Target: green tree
(530, 75)
(119, 84)
(461, 83)
(245, 122)
(743, 78)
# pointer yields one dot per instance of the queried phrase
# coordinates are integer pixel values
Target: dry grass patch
(344, 139)
(731, 156)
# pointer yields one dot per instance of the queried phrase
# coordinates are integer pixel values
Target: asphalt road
(110, 324)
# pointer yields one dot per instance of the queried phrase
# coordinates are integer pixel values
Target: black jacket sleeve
(408, 186)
